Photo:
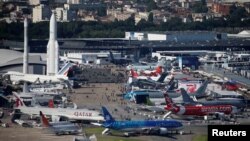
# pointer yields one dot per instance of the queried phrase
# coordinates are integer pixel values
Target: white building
(181, 36)
(74, 1)
(89, 57)
(34, 2)
(41, 13)
(65, 15)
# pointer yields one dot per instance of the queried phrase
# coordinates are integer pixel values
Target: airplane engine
(163, 131)
(55, 119)
(1, 114)
(220, 116)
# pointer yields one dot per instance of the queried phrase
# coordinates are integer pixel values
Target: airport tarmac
(95, 95)
(18, 133)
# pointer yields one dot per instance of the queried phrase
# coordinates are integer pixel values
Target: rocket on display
(52, 48)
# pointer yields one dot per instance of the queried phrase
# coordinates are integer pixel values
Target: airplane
(157, 96)
(199, 93)
(158, 70)
(58, 114)
(147, 66)
(119, 61)
(141, 83)
(160, 127)
(239, 103)
(230, 86)
(135, 75)
(199, 110)
(60, 128)
(17, 77)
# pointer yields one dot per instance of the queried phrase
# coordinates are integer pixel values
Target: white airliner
(57, 114)
(17, 77)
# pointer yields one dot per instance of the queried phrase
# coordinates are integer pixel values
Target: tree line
(93, 29)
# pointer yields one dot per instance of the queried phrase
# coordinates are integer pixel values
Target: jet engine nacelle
(55, 118)
(163, 131)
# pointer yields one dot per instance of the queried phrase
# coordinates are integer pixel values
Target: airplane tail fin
(65, 69)
(169, 103)
(171, 84)
(201, 91)
(162, 78)
(107, 116)
(162, 62)
(19, 102)
(134, 74)
(111, 55)
(51, 103)
(186, 97)
(159, 70)
(44, 120)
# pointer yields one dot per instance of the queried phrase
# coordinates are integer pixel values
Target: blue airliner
(160, 127)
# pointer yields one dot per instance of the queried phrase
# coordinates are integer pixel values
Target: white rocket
(52, 48)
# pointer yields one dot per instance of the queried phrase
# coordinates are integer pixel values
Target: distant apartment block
(140, 16)
(37, 2)
(221, 8)
(118, 14)
(65, 15)
(41, 13)
(74, 1)
(122, 16)
(34, 2)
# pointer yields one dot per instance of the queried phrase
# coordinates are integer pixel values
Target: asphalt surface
(95, 95)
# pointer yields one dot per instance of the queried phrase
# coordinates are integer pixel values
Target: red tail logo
(18, 102)
(44, 120)
(169, 102)
(51, 104)
(134, 74)
(158, 70)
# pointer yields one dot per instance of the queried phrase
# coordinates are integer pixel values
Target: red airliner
(199, 110)
(156, 72)
(231, 86)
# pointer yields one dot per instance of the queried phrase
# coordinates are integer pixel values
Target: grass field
(115, 137)
(200, 138)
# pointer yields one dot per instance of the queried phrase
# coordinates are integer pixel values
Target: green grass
(200, 138)
(98, 132)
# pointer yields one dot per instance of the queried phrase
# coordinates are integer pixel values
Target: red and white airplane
(57, 113)
(135, 75)
(158, 70)
(199, 110)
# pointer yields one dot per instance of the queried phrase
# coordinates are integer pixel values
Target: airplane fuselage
(204, 110)
(18, 77)
(71, 114)
(143, 125)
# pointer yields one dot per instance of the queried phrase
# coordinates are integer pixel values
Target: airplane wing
(167, 115)
(95, 123)
(25, 80)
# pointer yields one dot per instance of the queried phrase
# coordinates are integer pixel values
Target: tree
(151, 17)
(200, 7)
(151, 5)
(236, 14)
(102, 11)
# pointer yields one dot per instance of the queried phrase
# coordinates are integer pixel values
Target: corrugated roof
(8, 55)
